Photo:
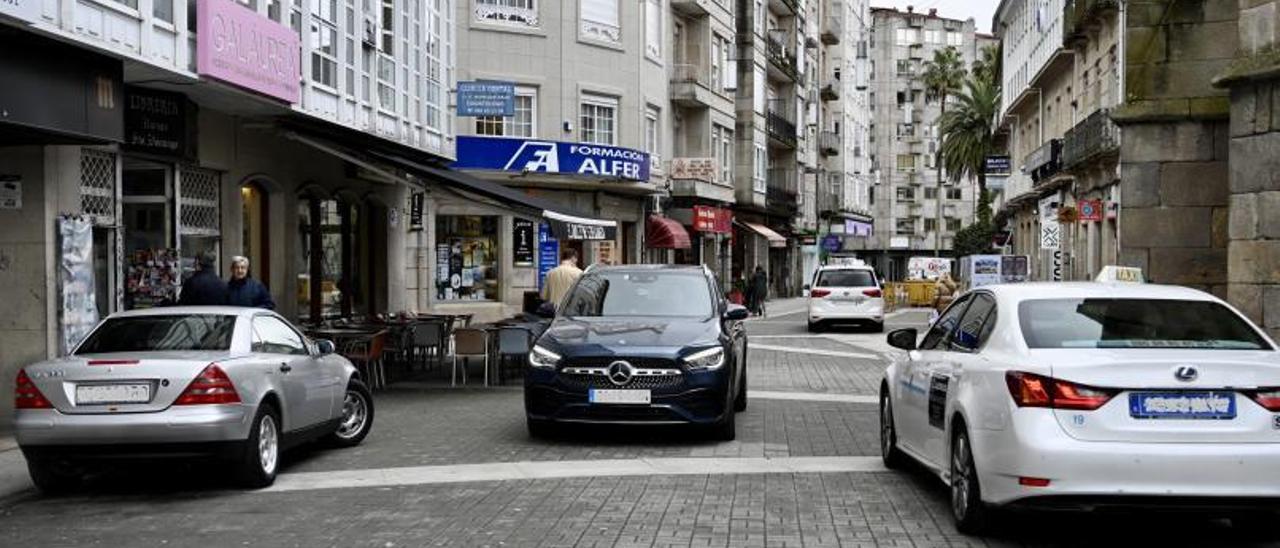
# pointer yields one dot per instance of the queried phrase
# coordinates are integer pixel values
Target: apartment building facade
(904, 138)
(162, 132)
(1061, 82)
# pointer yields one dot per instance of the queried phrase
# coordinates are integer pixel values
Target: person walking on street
(561, 278)
(759, 290)
(204, 288)
(243, 290)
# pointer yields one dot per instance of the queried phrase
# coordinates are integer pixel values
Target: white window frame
(506, 126)
(760, 167)
(653, 133)
(955, 38)
(653, 30)
(319, 23)
(597, 103)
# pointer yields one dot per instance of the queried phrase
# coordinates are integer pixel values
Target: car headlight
(541, 357)
(711, 358)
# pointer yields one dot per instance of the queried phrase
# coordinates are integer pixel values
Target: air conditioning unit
(370, 37)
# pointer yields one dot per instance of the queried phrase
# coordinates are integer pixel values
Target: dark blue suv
(640, 344)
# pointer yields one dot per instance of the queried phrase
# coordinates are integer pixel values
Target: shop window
(467, 258)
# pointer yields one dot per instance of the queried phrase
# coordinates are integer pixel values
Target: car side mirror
(735, 313)
(903, 338)
(546, 310)
(325, 347)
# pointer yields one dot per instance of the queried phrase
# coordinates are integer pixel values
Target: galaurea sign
(238, 46)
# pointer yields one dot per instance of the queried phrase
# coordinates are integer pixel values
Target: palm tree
(968, 132)
(942, 76)
(988, 65)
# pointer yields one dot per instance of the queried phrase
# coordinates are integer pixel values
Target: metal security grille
(199, 207)
(98, 186)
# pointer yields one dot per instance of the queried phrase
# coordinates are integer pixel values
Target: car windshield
(152, 333)
(845, 278)
(1135, 323)
(640, 294)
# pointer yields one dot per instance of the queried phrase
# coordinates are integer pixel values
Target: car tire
(260, 456)
(815, 327)
(967, 509)
(727, 428)
(50, 477)
(889, 452)
(541, 429)
(357, 416)
(740, 401)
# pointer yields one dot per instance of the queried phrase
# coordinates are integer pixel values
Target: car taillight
(26, 395)
(211, 386)
(819, 293)
(1269, 398)
(1031, 390)
(871, 292)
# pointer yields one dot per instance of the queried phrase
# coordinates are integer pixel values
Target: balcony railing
(829, 143)
(831, 195)
(781, 122)
(780, 192)
(1095, 136)
(830, 90)
(692, 8)
(782, 56)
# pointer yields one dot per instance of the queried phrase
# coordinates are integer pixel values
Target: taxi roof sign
(1120, 274)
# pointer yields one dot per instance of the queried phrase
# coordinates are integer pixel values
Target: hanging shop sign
(417, 201)
(159, 122)
(1050, 231)
(832, 242)
(997, 165)
(714, 220)
(485, 98)
(10, 190)
(1090, 210)
(857, 228)
(522, 242)
(548, 252)
(238, 46)
(552, 157)
(79, 312)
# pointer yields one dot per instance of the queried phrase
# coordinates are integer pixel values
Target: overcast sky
(980, 10)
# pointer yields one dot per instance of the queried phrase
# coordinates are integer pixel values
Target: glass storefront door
(151, 260)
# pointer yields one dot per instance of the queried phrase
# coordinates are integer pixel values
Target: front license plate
(619, 396)
(1182, 405)
(93, 394)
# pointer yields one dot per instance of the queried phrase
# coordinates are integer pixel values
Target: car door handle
(285, 368)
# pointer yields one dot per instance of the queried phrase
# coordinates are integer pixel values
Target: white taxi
(846, 293)
(1088, 395)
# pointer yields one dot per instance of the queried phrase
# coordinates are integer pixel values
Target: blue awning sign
(553, 157)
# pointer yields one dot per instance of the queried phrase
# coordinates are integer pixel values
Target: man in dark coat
(243, 290)
(759, 289)
(204, 287)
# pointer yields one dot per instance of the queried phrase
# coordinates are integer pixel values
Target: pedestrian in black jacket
(204, 287)
(244, 290)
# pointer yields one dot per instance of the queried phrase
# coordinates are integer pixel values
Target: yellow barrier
(909, 293)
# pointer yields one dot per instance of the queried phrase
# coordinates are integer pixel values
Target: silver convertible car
(237, 384)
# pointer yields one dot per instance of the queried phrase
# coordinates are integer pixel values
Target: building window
(520, 125)
(955, 39)
(162, 10)
(600, 20)
(906, 162)
(908, 36)
(906, 194)
(933, 36)
(930, 192)
(653, 29)
(722, 150)
(467, 258)
(653, 133)
(953, 224)
(514, 12)
(760, 15)
(905, 68)
(758, 183)
(953, 193)
(905, 226)
(930, 224)
(598, 118)
(324, 43)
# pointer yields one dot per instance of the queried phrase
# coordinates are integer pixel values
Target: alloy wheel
(960, 477)
(268, 444)
(355, 412)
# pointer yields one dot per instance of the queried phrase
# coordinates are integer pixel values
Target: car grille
(649, 373)
(651, 382)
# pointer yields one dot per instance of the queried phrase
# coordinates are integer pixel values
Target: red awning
(664, 233)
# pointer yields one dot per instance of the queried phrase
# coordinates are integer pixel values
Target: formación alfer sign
(552, 157)
(240, 47)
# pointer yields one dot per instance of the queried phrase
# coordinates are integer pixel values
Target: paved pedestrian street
(455, 467)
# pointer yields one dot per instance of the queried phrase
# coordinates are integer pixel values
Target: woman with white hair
(243, 290)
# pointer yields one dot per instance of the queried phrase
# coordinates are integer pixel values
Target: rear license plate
(94, 394)
(619, 396)
(1182, 405)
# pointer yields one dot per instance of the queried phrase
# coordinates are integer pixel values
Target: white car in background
(848, 294)
(1088, 395)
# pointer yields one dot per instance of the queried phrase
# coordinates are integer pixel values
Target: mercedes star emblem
(620, 372)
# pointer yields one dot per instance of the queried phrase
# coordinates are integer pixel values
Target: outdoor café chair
(468, 342)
